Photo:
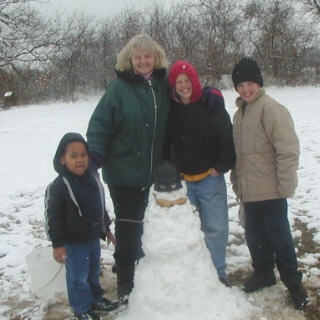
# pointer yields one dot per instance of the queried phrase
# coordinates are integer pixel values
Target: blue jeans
(210, 197)
(82, 275)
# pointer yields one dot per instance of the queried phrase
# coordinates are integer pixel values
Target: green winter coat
(127, 128)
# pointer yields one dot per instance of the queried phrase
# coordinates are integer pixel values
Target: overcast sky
(101, 8)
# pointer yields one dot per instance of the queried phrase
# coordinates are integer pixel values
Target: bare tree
(105, 59)
(72, 64)
(220, 22)
(280, 41)
(58, 58)
(158, 25)
(126, 25)
(311, 6)
(24, 36)
(185, 35)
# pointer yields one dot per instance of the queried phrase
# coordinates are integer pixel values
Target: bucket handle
(52, 279)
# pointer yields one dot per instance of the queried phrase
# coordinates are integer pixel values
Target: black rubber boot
(125, 274)
(259, 280)
(299, 296)
(225, 281)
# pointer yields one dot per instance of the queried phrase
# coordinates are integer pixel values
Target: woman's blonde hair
(141, 42)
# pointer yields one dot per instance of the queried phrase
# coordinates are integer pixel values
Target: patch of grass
(308, 246)
(237, 277)
(312, 312)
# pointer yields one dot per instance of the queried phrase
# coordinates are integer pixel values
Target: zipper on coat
(154, 131)
(102, 199)
(72, 196)
(240, 148)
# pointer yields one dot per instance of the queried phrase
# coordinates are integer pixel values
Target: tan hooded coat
(267, 150)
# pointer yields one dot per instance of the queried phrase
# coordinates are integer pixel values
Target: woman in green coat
(125, 137)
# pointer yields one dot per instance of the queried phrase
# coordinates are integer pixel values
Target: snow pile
(176, 279)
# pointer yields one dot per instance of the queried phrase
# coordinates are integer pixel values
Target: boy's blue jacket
(65, 223)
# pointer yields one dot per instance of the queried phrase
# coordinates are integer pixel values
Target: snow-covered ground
(176, 279)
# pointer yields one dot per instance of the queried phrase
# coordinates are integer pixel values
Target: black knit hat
(246, 70)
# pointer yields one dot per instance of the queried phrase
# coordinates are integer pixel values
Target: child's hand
(111, 238)
(60, 254)
(214, 172)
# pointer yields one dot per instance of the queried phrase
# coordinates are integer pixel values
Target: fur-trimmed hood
(132, 77)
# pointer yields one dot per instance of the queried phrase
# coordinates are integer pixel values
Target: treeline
(59, 58)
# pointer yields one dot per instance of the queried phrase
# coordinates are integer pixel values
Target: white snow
(8, 94)
(176, 279)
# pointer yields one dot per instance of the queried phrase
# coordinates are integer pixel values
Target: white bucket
(48, 277)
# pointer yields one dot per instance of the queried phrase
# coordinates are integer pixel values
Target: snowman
(176, 279)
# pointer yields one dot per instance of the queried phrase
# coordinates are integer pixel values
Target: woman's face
(248, 90)
(184, 88)
(143, 62)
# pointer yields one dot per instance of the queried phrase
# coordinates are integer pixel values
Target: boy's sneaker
(259, 280)
(124, 300)
(225, 281)
(105, 305)
(299, 296)
(90, 315)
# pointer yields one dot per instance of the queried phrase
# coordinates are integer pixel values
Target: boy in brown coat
(267, 150)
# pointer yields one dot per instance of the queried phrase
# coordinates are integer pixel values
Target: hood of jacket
(131, 77)
(213, 99)
(188, 69)
(67, 138)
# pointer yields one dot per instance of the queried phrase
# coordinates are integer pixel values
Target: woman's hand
(111, 238)
(214, 172)
(60, 254)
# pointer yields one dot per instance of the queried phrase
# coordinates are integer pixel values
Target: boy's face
(75, 158)
(248, 90)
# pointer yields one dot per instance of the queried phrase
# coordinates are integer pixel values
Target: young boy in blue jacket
(76, 219)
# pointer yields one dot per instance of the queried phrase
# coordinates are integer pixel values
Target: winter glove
(96, 160)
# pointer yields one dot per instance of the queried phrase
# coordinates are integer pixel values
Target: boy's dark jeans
(129, 203)
(269, 239)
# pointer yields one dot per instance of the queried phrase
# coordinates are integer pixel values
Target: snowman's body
(176, 279)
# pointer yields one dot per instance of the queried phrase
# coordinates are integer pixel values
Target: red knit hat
(188, 69)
